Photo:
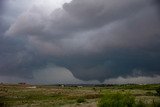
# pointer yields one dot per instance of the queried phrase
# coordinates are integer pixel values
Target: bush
(117, 100)
(123, 100)
(158, 91)
(150, 93)
(156, 104)
(140, 104)
(81, 100)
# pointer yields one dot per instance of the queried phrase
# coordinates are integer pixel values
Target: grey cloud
(95, 40)
(98, 13)
(55, 75)
(74, 18)
(1, 5)
(133, 80)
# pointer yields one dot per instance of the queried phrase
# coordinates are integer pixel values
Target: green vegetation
(158, 91)
(106, 96)
(81, 100)
(140, 104)
(136, 86)
(117, 100)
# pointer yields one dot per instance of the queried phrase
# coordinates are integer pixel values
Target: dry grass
(49, 96)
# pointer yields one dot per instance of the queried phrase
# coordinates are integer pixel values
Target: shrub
(156, 104)
(158, 91)
(140, 104)
(117, 100)
(150, 93)
(81, 100)
(92, 96)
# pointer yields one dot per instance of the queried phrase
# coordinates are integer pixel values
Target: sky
(80, 41)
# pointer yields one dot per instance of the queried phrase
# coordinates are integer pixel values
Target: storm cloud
(87, 39)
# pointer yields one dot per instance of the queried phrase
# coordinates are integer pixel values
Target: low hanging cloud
(88, 40)
(57, 75)
(54, 75)
(133, 80)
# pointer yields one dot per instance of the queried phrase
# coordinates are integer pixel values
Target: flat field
(77, 96)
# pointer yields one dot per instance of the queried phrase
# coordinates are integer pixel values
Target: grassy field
(92, 96)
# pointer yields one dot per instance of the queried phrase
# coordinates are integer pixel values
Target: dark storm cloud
(11, 51)
(74, 18)
(1, 5)
(95, 40)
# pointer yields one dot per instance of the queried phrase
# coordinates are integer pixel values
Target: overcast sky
(80, 41)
